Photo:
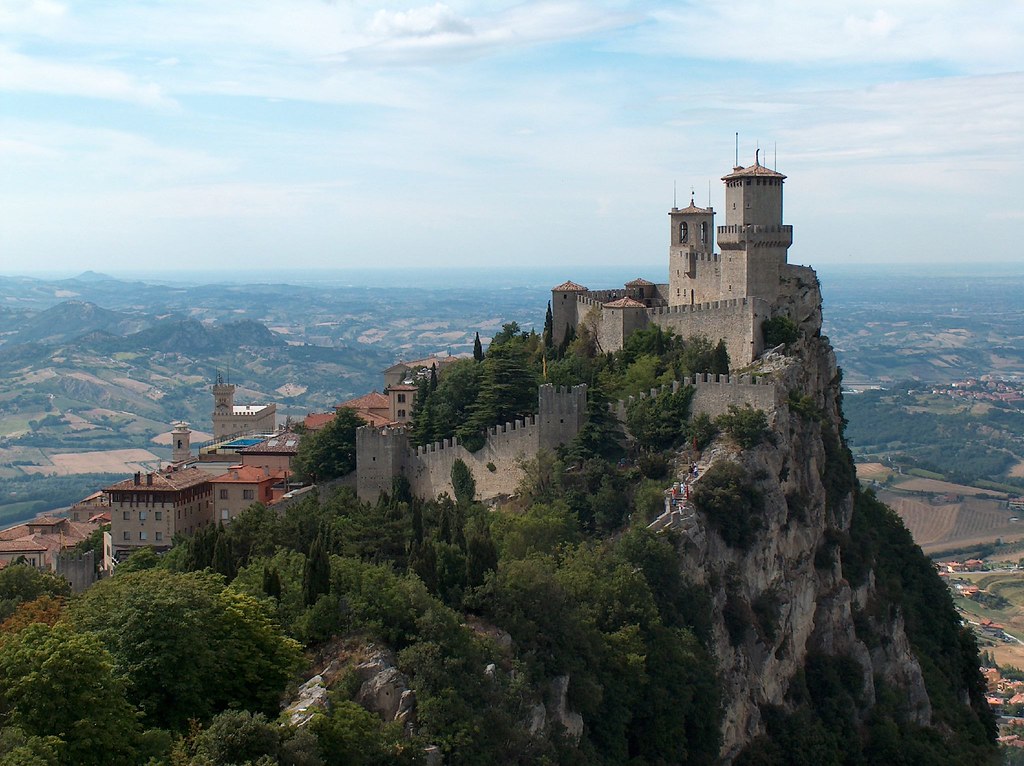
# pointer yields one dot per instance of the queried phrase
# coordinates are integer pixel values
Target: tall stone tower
(754, 242)
(223, 407)
(181, 448)
(693, 274)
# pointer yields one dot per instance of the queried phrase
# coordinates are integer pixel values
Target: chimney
(138, 478)
(149, 480)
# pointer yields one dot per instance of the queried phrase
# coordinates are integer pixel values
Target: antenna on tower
(709, 192)
(775, 162)
(674, 204)
(736, 163)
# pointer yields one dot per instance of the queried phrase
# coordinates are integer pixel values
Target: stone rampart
(79, 569)
(382, 454)
(713, 394)
(736, 321)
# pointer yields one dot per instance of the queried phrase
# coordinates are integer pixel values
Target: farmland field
(104, 461)
(944, 487)
(974, 521)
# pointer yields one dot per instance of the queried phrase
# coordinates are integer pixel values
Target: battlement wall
(382, 454)
(713, 394)
(736, 321)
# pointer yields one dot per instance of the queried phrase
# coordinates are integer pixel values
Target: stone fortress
(723, 295)
(726, 295)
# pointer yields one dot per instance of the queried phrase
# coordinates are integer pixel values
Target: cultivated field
(873, 471)
(944, 487)
(104, 461)
(974, 521)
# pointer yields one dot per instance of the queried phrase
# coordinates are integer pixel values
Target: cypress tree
(433, 374)
(463, 482)
(549, 328)
(316, 577)
(478, 348)
(720, 359)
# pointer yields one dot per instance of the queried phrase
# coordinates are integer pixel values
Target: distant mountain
(70, 320)
(93, 276)
(193, 338)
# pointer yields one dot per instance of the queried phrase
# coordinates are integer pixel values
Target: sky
(249, 135)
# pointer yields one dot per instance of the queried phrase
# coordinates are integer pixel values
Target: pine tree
(478, 348)
(316, 577)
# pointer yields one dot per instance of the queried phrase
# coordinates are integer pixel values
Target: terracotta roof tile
(164, 481)
(625, 303)
(24, 545)
(317, 420)
(371, 401)
(570, 287)
(753, 170)
(692, 209)
(246, 474)
(639, 282)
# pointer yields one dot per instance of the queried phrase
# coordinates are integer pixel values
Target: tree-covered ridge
(487, 611)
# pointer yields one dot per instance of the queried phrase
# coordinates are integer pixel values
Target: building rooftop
(314, 421)
(248, 409)
(402, 387)
(371, 401)
(693, 209)
(246, 474)
(281, 444)
(754, 170)
(570, 287)
(625, 303)
(417, 364)
(26, 545)
(639, 282)
(163, 481)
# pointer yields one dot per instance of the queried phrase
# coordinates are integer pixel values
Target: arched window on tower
(704, 232)
(684, 231)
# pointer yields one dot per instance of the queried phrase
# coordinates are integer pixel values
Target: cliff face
(784, 599)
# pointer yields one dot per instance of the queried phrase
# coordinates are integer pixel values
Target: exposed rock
(310, 699)
(385, 690)
(538, 719)
(432, 756)
(558, 709)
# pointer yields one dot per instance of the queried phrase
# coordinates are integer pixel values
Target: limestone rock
(311, 699)
(385, 690)
(559, 711)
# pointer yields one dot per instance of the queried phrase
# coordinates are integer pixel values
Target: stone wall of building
(714, 394)
(737, 322)
(382, 454)
(79, 569)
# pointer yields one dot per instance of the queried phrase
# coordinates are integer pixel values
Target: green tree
(316, 577)
(779, 329)
(21, 582)
(478, 349)
(719, 359)
(508, 390)
(463, 482)
(330, 452)
(746, 425)
(56, 682)
(659, 422)
(601, 435)
(549, 324)
(186, 647)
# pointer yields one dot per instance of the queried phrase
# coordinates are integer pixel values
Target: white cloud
(419, 22)
(30, 74)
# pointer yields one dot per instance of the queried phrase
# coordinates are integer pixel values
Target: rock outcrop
(782, 572)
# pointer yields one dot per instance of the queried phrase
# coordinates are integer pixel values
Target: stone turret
(181, 436)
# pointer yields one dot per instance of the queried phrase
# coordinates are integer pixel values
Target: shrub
(731, 503)
(780, 329)
(747, 426)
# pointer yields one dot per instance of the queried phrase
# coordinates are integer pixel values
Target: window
(248, 494)
(401, 398)
(159, 516)
(127, 515)
(684, 231)
(127, 535)
(142, 515)
(704, 231)
(159, 536)
(401, 413)
(143, 535)
(223, 514)
(223, 494)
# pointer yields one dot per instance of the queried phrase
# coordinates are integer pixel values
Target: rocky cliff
(781, 602)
